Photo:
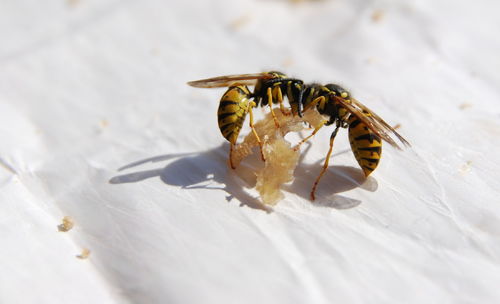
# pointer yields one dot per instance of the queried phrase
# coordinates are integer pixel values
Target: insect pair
(366, 129)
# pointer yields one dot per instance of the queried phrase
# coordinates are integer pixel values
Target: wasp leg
(250, 106)
(325, 165)
(313, 103)
(320, 100)
(270, 103)
(231, 148)
(279, 95)
(299, 103)
(316, 129)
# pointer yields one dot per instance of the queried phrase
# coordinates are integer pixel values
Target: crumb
(281, 157)
(73, 3)
(464, 106)
(84, 255)
(377, 16)
(240, 21)
(104, 123)
(287, 62)
(155, 51)
(397, 126)
(466, 168)
(302, 1)
(67, 224)
(370, 60)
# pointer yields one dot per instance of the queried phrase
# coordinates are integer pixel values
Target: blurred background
(98, 124)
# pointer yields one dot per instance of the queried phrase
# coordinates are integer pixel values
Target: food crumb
(287, 62)
(73, 3)
(370, 60)
(155, 51)
(104, 123)
(302, 1)
(377, 16)
(84, 255)
(466, 168)
(397, 126)
(240, 21)
(67, 224)
(464, 106)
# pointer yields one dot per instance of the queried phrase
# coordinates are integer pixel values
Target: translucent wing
(374, 122)
(229, 80)
(385, 125)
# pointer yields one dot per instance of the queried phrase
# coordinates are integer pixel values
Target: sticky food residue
(281, 157)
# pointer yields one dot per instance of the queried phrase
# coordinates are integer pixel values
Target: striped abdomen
(366, 145)
(233, 108)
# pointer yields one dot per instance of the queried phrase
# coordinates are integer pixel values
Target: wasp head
(338, 90)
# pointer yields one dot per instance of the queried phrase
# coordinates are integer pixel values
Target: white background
(90, 86)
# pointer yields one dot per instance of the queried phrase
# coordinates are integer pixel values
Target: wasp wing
(384, 124)
(373, 121)
(229, 80)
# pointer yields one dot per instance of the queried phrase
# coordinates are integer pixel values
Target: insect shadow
(204, 170)
(336, 180)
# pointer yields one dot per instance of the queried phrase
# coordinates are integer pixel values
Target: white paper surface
(88, 87)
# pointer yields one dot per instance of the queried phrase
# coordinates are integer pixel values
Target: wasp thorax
(338, 90)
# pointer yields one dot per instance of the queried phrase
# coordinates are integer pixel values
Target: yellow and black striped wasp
(270, 88)
(366, 129)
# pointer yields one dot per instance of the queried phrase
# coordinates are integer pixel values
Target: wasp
(238, 101)
(366, 129)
